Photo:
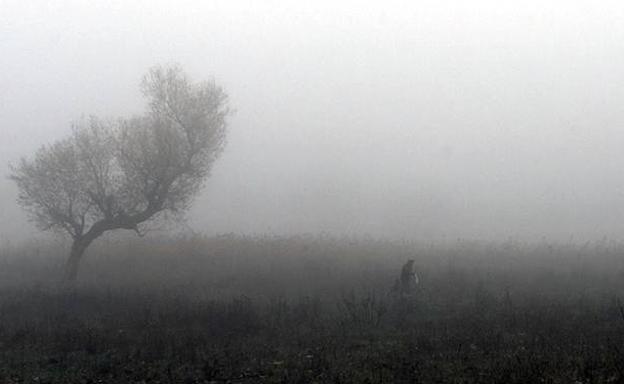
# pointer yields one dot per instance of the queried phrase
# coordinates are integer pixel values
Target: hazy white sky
(419, 119)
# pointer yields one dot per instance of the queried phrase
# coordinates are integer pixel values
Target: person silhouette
(408, 280)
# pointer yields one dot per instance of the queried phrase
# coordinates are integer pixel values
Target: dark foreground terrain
(312, 310)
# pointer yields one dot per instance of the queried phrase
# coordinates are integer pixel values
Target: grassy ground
(312, 310)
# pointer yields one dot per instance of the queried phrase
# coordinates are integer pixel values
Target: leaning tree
(121, 174)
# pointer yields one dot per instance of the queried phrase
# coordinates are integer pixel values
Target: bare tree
(119, 175)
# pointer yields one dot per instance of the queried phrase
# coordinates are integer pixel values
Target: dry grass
(308, 309)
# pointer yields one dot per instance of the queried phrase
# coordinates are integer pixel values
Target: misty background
(429, 120)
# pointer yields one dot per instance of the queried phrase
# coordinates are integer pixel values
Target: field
(233, 309)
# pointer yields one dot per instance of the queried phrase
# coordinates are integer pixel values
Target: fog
(430, 120)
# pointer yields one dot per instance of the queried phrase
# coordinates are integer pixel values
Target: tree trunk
(75, 256)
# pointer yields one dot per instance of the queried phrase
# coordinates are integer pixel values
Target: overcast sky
(426, 120)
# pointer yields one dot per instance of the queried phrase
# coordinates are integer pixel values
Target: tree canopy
(120, 174)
